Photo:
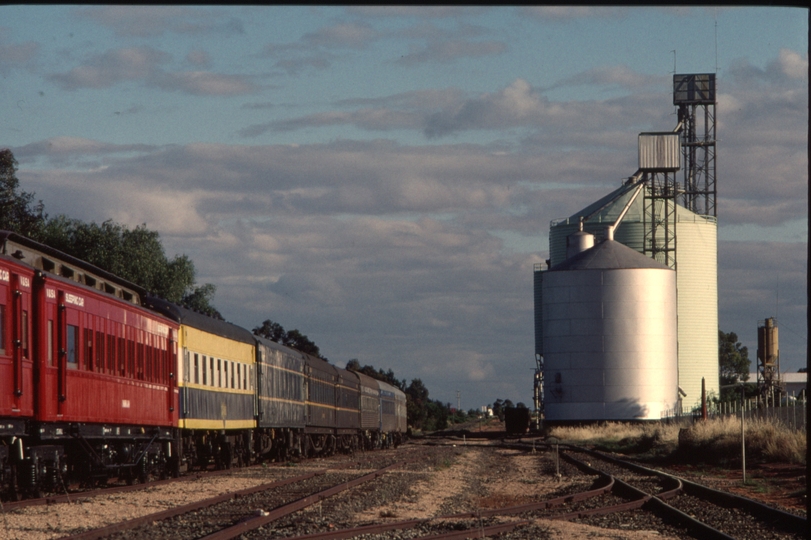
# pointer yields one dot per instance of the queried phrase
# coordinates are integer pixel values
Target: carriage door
(21, 336)
(68, 343)
(171, 369)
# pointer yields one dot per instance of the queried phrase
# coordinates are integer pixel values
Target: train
(100, 380)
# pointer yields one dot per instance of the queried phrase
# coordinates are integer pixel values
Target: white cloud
(143, 64)
(451, 51)
(113, 67)
(151, 21)
(793, 65)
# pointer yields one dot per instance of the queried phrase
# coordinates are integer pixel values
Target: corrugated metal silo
(696, 258)
(609, 336)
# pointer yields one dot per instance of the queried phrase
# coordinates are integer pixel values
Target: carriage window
(226, 373)
(73, 338)
(110, 354)
(2, 329)
(122, 359)
(100, 351)
(196, 369)
(90, 364)
(205, 371)
(232, 375)
(239, 376)
(140, 357)
(130, 358)
(219, 372)
(148, 351)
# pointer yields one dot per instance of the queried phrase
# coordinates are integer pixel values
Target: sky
(383, 178)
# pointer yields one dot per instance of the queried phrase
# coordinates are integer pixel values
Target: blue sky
(383, 179)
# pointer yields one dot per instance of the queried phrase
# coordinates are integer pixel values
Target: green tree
(199, 299)
(18, 211)
(300, 342)
(733, 363)
(385, 376)
(293, 338)
(270, 330)
(417, 404)
(498, 409)
(136, 255)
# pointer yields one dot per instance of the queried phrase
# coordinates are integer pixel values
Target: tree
(293, 338)
(733, 363)
(498, 409)
(385, 376)
(416, 404)
(300, 342)
(199, 299)
(18, 211)
(270, 330)
(135, 255)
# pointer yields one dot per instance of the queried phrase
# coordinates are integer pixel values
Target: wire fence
(791, 413)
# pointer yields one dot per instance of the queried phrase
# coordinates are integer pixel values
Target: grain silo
(609, 326)
(696, 277)
(673, 222)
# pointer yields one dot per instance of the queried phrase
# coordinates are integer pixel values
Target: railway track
(704, 512)
(239, 513)
(459, 490)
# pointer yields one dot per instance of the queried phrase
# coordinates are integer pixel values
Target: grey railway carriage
(392, 413)
(369, 411)
(281, 387)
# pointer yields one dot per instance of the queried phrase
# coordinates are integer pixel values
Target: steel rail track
(101, 532)
(282, 511)
(604, 485)
(673, 486)
(771, 516)
(243, 526)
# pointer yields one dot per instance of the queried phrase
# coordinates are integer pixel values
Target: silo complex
(696, 281)
(609, 326)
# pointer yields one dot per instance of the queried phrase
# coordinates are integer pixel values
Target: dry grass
(714, 441)
(622, 437)
(720, 440)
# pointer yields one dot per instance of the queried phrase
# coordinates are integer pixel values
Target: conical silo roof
(608, 208)
(608, 255)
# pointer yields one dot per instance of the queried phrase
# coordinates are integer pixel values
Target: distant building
(794, 383)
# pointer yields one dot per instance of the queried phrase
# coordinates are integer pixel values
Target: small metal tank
(610, 336)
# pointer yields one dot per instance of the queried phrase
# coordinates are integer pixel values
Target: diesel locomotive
(100, 380)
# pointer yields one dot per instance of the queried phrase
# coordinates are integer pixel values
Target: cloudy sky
(383, 179)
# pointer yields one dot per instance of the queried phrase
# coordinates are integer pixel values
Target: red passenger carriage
(86, 374)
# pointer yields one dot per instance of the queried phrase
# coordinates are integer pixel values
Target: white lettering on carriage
(4, 275)
(25, 282)
(50, 293)
(73, 299)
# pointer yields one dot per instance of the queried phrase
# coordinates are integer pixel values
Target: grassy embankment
(715, 441)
